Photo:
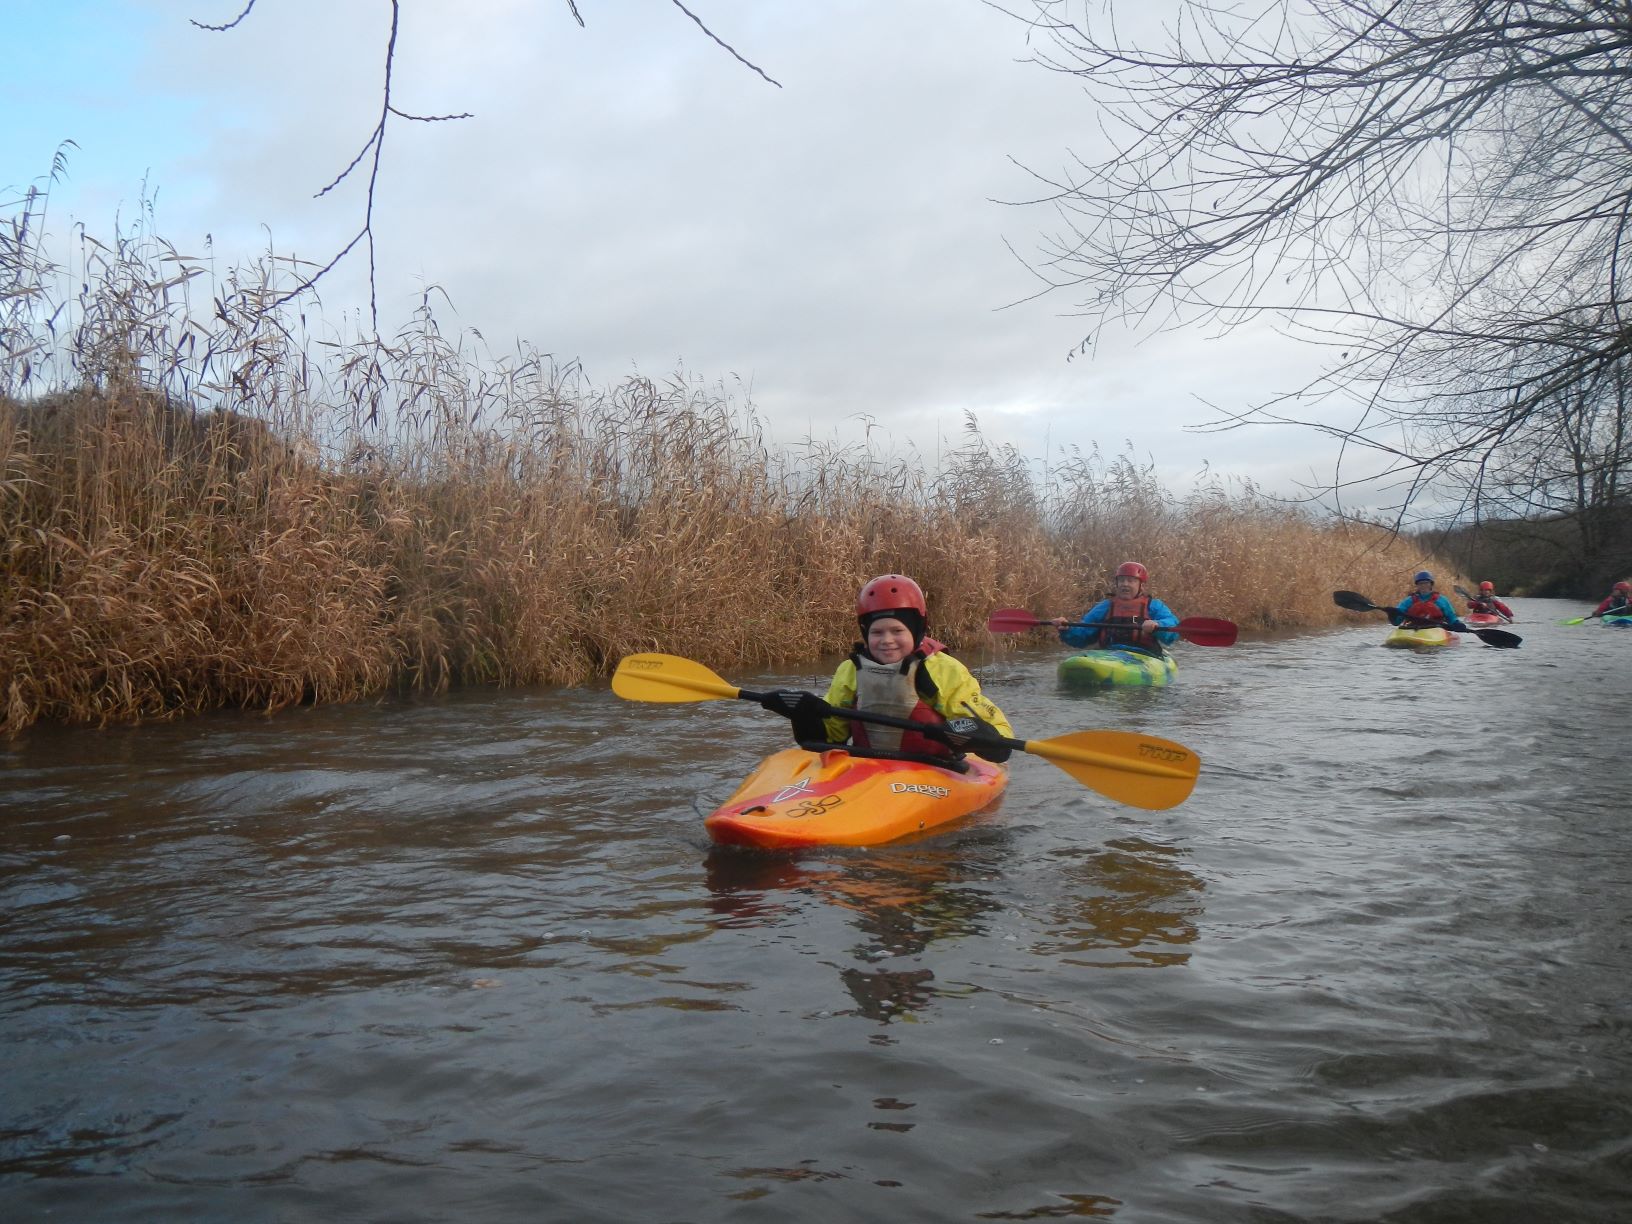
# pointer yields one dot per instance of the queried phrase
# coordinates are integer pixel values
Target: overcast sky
(630, 195)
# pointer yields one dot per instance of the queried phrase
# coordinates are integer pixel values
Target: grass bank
(209, 508)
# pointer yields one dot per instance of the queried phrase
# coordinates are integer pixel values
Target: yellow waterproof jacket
(946, 686)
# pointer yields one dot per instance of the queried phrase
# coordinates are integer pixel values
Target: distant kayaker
(896, 669)
(1619, 602)
(1487, 602)
(1129, 616)
(1427, 606)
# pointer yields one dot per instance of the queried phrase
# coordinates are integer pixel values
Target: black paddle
(1356, 602)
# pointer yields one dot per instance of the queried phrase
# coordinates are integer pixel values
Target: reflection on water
(900, 900)
(1132, 896)
(473, 959)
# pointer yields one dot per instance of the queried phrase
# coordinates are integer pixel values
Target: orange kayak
(797, 798)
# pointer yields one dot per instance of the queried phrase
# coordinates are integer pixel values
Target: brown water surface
(473, 959)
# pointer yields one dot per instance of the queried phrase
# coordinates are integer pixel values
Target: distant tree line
(1542, 556)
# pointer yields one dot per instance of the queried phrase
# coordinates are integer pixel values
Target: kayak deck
(1116, 665)
(797, 798)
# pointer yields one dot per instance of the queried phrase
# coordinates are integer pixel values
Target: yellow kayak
(797, 798)
(1412, 639)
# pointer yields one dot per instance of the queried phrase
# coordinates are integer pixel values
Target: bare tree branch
(1441, 190)
(375, 146)
(216, 29)
(716, 38)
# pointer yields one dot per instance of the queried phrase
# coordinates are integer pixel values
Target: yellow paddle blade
(664, 677)
(1139, 770)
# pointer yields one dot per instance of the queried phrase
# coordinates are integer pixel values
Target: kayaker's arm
(1079, 635)
(1166, 621)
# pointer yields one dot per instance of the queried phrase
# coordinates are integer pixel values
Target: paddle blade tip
(1141, 771)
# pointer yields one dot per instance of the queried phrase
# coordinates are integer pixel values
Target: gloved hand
(795, 704)
(975, 735)
(806, 710)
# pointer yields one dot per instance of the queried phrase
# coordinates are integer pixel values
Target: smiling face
(889, 640)
(1127, 586)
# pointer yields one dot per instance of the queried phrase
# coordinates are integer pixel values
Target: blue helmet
(1423, 576)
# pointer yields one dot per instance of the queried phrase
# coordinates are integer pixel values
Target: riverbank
(215, 507)
(163, 561)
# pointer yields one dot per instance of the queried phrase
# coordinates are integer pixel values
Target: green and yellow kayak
(797, 798)
(1116, 665)
(1414, 639)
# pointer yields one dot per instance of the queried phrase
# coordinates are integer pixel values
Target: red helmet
(1622, 586)
(1487, 586)
(891, 593)
(1132, 569)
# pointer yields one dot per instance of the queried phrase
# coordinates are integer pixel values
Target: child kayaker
(1129, 616)
(899, 671)
(1427, 606)
(1487, 602)
(1619, 602)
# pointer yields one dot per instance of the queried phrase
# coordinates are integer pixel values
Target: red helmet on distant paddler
(1487, 585)
(1132, 569)
(1625, 587)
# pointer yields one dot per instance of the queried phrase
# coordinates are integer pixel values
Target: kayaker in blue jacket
(1129, 616)
(1427, 606)
(898, 670)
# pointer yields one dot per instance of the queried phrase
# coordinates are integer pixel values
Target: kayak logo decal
(792, 791)
(815, 807)
(918, 788)
(1162, 754)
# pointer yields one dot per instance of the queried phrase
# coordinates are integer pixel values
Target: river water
(473, 959)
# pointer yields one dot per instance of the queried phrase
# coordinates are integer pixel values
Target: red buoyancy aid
(1127, 612)
(1424, 609)
(920, 712)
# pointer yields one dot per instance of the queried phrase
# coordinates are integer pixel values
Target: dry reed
(206, 509)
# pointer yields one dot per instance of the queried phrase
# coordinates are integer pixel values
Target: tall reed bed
(205, 508)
